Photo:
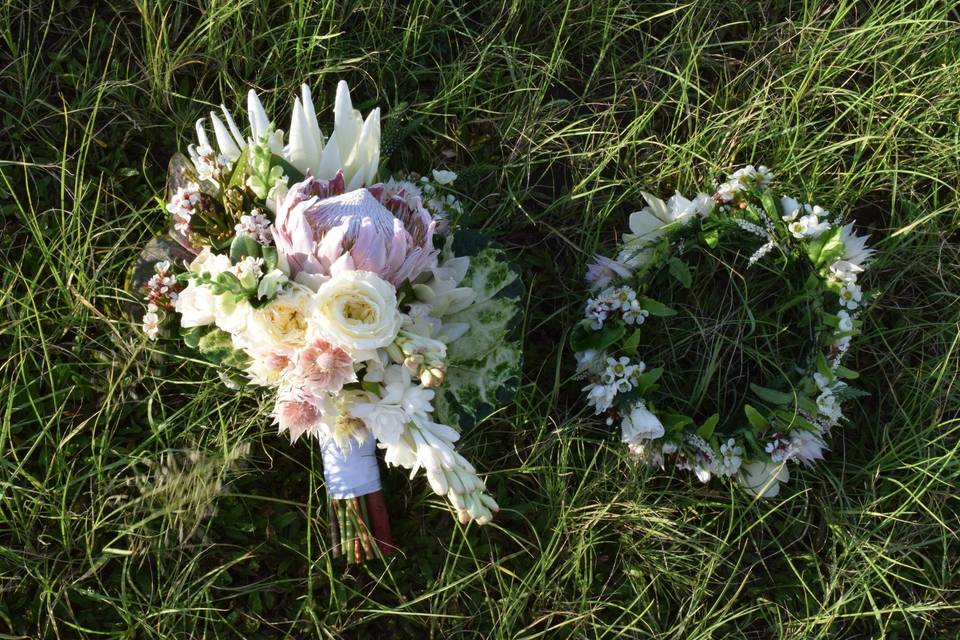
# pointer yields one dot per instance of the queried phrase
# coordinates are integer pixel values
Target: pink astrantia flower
(387, 233)
(297, 416)
(324, 368)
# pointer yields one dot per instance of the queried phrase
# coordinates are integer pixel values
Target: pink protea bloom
(390, 234)
(324, 368)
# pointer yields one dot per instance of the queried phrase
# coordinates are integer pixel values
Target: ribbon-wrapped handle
(352, 471)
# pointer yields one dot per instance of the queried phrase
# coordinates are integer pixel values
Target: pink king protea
(388, 233)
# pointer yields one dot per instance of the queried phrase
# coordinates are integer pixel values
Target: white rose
(281, 324)
(211, 263)
(763, 478)
(231, 315)
(195, 304)
(356, 310)
(641, 425)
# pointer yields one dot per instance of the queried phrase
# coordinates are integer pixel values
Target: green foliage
(484, 363)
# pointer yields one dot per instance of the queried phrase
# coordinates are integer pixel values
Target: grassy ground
(141, 499)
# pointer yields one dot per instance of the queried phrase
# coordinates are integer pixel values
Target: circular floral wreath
(785, 421)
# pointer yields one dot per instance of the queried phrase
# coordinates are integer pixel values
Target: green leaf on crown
(681, 272)
(584, 337)
(755, 418)
(655, 308)
(826, 248)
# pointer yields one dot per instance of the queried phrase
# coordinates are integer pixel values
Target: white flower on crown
(763, 478)
(651, 222)
(641, 424)
(855, 250)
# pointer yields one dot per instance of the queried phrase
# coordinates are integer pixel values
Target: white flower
(354, 145)
(196, 305)
(829, 407)
(231, 315)
(271, 283)
(151, 324)
(855, 248)
(808, 226)
(602, 271)
(444, 177)
(763, 478)
(730, 458)
(845, 322)
(600, 396)
(385, 416)
(635, 314)
(257, 226)
(650, 223)
(248, 271)
(845, 271)
(807, 447)
(212, 264)
(851, 295)
(356, 310)
(590, 361)
(281, 324)
(641, 424)
(791, 208)
(798, 228)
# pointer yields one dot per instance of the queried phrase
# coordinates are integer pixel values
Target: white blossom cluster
(619, 376)
(181, 206)
(615, 300)
(443, 206)
(162, 292)
(256, 225)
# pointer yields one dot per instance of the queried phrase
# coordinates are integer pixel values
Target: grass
(139, 498)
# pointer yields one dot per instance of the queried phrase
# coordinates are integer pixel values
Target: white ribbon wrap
(353, 472)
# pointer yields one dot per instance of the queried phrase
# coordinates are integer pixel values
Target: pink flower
(603, 270)
(298, 416)
(324, 368)
(390, 234)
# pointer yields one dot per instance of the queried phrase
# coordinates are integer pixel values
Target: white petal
(310, 115)
(657, 206)
(368, 152)
(329, 160)
(301, 151)
(202, 139)
(234, 129)
(225, 140)
(645, 225)
(259, 122)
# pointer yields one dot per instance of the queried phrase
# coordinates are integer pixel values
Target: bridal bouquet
(788, 417)
(372, 321)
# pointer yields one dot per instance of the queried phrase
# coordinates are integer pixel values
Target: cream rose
(281, 324)
(356, 310)
(195, 304)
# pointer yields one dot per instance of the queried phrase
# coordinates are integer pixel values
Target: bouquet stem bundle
(360, 528)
